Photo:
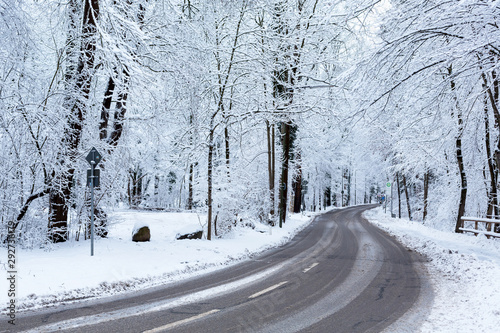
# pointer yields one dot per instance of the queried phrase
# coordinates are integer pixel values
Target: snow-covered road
(464, 270)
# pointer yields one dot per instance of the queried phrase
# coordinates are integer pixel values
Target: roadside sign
(93, 176)
(95, 156)
(97, 177)
(388, 184)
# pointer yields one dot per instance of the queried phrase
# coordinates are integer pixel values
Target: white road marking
(262, 292)
(162, 305)
(310, 267)
(181, 322)
(368, 263)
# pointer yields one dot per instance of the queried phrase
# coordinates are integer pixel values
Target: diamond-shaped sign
(94, 156)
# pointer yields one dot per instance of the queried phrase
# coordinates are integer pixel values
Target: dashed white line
(181, 322)
(310, 267)
(262, 292)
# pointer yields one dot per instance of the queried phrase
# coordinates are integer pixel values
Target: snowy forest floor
(464, 270)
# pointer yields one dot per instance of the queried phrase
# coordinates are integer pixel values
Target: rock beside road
(142, 234)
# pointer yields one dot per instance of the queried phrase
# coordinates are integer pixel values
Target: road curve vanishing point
(340, 274)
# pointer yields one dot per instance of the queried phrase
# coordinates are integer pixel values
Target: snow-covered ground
(66, 272)
(464, 271)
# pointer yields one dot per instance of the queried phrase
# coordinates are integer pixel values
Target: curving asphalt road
(340, 274)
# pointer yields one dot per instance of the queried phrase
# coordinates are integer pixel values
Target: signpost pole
(92, 208)
(92, 180)
(387, 198)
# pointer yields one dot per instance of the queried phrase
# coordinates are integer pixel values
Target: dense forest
(245, 110)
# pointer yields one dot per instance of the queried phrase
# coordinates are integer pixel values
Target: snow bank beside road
(464, 271)
(67, 272)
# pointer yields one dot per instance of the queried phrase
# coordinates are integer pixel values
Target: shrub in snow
(101, 222)
(141, 233)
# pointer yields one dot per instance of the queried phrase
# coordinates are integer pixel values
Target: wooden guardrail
(492, 226)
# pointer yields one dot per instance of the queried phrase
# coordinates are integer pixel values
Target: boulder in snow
(141, 233)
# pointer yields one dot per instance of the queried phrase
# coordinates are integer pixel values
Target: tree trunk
(313, 205)
(460, 162)
(297, 187)
(62, 183)
(342, 189)
(112, 138)
(494, 96)
(463, 183)
(271, 167)
(399, 194)
(328, 196)
(426, 193)
(189, 205)
(223, 81)
(227, 150)
(156, 191)
(120, 111)
(405, 185)
(285, 140)
(320, 196)
(190, 199)
(106, 106)
(135, 187)
(348, 199)
(273, 189)
(283, 90)
(209, 180)
(493, 170)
